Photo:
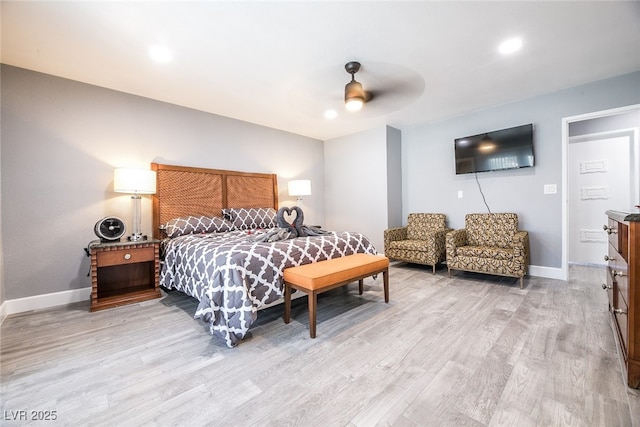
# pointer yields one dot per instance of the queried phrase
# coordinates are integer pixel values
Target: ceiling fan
(385, 88)
(354, 95)
(397, 85)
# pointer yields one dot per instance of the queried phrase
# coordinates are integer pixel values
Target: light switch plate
(550, 189)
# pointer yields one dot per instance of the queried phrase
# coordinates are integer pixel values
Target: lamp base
(136, 237)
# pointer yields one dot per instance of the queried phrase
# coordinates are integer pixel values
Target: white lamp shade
(134, 181)
(301, 187)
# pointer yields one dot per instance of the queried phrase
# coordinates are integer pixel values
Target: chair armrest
(394, 234)
(441, 234)
(454, 239)
(436, 240)
(438, 236)
(521, 248)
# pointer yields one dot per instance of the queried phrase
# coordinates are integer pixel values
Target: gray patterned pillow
(250, 218)
(196, 225)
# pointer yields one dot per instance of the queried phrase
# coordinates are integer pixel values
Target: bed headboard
(183, 191)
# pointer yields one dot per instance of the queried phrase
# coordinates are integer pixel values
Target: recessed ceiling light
(160, 54)
(510, 46)
(330, 114)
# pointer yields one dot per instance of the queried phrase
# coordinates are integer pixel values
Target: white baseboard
(3, 312)
(547, 272)
(37, 302)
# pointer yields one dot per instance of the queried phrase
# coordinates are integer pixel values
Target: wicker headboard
(183, 191)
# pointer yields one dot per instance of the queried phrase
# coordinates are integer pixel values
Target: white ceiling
(281, 64)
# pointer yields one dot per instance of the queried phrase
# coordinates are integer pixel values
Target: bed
(213, 225)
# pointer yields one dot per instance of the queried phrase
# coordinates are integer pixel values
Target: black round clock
(110, 229)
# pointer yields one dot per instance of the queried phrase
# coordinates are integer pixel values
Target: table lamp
(299, 188)
(135, 182)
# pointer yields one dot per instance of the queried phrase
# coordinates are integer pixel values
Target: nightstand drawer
(125, 256)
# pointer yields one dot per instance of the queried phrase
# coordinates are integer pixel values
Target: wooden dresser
(623, 287)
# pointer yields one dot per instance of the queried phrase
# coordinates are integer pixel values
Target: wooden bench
(322, 276)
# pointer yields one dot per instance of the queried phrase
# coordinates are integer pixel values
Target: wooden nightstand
(124, 273)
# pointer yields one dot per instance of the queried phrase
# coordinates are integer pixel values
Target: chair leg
(434, 269)
(521, 282)
(449, 272)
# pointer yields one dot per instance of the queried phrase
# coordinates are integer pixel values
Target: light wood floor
(473, 350)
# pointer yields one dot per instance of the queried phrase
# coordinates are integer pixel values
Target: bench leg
(361, 286)
(287, 303)
(312, 297)
(385, 279)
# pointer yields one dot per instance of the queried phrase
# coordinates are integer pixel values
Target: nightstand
(124, 273)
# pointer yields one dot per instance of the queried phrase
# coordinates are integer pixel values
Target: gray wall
(394, 178)
(431, 185)
(61, 140)
(357, 182)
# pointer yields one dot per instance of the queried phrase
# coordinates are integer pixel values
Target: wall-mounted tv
(503, 149)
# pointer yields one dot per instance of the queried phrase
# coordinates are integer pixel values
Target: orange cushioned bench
(322, 276)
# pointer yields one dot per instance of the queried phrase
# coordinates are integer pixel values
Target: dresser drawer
(609, 287)
(618, 273)
(612, 231)
(124, 256)
(620, 310)
(621, 283)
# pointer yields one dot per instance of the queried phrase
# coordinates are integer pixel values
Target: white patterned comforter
(232, 275)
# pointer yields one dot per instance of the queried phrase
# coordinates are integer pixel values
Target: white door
(600, 170)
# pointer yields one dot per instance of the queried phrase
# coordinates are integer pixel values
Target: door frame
(566, 121)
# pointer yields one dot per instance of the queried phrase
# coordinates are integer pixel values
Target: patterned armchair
(420, 242)
(489, 243)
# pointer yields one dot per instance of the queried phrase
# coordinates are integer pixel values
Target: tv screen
(503, 149)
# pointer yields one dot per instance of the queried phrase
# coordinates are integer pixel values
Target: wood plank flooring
(473, 350)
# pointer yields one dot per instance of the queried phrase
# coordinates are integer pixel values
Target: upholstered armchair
(421, 241)
(489, 243)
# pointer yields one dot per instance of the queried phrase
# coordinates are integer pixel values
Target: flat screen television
(503, 149)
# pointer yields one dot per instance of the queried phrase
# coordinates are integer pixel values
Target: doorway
(601, 171)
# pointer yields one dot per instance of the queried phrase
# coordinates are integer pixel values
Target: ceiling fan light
(353, 104)
(353, 96)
